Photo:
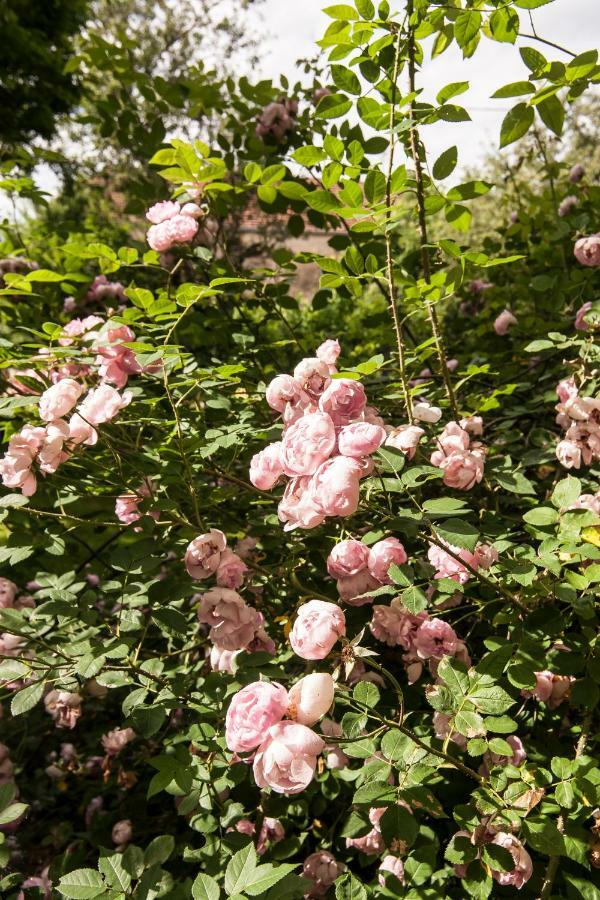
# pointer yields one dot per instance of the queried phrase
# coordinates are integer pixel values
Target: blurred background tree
(37, 85)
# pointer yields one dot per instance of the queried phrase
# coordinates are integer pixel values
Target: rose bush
(309, 579)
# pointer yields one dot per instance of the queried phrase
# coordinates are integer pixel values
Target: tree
(37, 84)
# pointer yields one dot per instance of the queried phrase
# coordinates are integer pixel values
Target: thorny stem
(554, 861)
(425, 264)
(393, 302)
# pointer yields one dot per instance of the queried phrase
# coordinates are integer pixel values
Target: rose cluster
(275, 725)
(172, 224)
(277, 119)
(461, 459)
(359, 569)
(487, 834)
(42, 449)
(328, 438)
(580, 416)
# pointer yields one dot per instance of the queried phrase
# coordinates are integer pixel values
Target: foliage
(472, 768)
(37, 79)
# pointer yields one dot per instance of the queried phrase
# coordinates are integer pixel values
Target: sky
(293, 27)
(290, 29)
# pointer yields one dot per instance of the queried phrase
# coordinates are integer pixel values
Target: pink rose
(580, 323)
(425, 412)
(15, 466)
(126, 508)
(360, 439)
(8, 593)
(382, 555)
(392, 865)
(566, 390)
(576, 174)
(568, 454)
(114, 741)
(233, 623)
(122, 832)
(371, 843)
(344, 400)
(203, 554)
(587, 250)
(193, 210)
(51, 453)
(352, 587)
(349, 557)
(307, 444)
(287, 758)
(317, 628)
(310, 698)
(179, 229)
(328, 352)
(60, 399)
(395, 625)
(550, 688)
(405, 438)
(222, 660)
(504, 321)
(321, 869)
(231, 570)
(313, 376)
(64, 707)
(283, 390)
(435, 638)
(266, 467)
(162, 211)
(461, 461)
(523, 869)
(335, 487)
(102, 404)
(251, 713)
(472, 425)
(567, 205)
(585, 501)
(297, 508)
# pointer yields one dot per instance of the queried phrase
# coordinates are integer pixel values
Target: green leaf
(205, 888)
(445, 163)
(397, 823)
(12, 812)
(82, 884)
(348, 887)
(552, 114)
(265, 876)
(504, 25)
(466, 28)
(458, 533)
(542, 515)
(345, 79)
(111, 866)
(240, 869)
(333, 106)
(566, 492)
(532, 58)
(340, 11)
(365, 8)
(159, 850)
(582, 65)
(514, 89)
(366, 693)
(452, 90)
(309, 156)
(469, 723)
(516, 123)
(27, 698)
(414, 600)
